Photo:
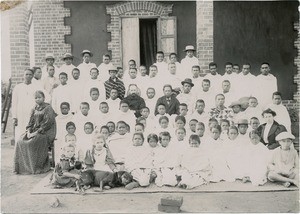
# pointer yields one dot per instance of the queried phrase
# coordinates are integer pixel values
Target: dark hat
(189, 48)
(86, 51)
(187, 80)
(269, 111)
(67, 55)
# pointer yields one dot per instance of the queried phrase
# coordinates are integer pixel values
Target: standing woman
(269, 130)
(31, 152)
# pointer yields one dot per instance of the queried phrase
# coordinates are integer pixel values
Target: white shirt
(267, 85)
(266, 132)
(103, 71)
(85, 69)
(186, 65)
(67, 69)
(61, 94)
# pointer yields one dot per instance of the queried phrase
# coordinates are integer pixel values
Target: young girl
(224, 129)
(257, 158)
(212, 145)
(167, 162)
(195, 166)
(284, 165)
(100, 157)
(85, 140)
(67, 171)
(138, 162)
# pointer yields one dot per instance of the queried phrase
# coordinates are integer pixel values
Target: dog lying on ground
(103, 179)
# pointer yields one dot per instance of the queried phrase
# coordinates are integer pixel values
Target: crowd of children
(172, 125)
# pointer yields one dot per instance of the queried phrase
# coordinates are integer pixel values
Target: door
(130, 41)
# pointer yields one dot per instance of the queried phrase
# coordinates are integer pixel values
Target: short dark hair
(65, 103)
(94, 89)
(70, 124)
(265, 63)
(85, 103)
(166, 134)
(63, 74)
(276, 93)
(94, 69)
(247, 63)
(179, 117)
(163, 117)
(152, 135)
(160, 52)
(228, 63)
(212, 64)
(269, 111)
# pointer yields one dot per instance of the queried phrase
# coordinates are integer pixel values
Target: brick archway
(136, 8)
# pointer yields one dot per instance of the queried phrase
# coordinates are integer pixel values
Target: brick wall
(297, 64)
(50, 30)
(135, 8)
(204, 33)
(19, 42)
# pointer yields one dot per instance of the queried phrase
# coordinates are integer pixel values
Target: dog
(103, 179)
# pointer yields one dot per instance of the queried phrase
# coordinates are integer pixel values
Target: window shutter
(167, 35)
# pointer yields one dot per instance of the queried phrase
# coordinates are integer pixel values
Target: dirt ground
(16, 197)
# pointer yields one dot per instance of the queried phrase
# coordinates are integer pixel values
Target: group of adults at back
(49, 96)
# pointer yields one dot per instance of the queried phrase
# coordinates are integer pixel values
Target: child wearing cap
(284, 165)
(49, 58)
(114, 82)
(67, 67)
(86, 65)
(189, 61)
(235, 114)
(243, 137)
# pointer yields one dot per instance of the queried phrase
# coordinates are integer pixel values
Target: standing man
(267, 85)
(22, 103)
(86, 65)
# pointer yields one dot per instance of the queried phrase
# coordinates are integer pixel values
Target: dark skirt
(31, 155)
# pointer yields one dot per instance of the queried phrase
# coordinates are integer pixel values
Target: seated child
(80, 118)
(104, 130)
(254, 123)
(179, 143)
(236, 113)
(111, 127)
(125, 113)
(213, 146)
(257, 159)
(103, 116)
(85, 140)
(100, 157)
(67, 170)
(224, 129)
(200, 129)
(243, 137)
(150, 99)
(113, 101)
(138, 162)
(118, 143)
(284, 164)
(167, 162)
(253, 110)
(195, 167)
(164, 125)
(161, 109)
(180, 122)
(94, 101)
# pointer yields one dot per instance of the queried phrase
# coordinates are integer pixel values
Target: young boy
(114, 82)
(143, 71)
(151, 100)
(83, 116)
(282, 115)
(104, 67)
(103, 116)
(85, 142)
(199, 114)
(125, 113)
(62, 93)
(206, 93)
(49, 58)
(253, 109)
(94, 101)
(94, 82)
(284, 165)
(118, 143)
(86, 66)
(189, 61)
(214, 77)
(162, 66)
(50, 82)
(111, 127)
(243, 136)
(254, 123)
(67, 67)
(113, 101)
(120, 73)
(235, 114)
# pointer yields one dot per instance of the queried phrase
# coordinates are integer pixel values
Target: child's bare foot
(98, 190)
(107, 187)
(286, 184)
(245, 179)
(132, 185)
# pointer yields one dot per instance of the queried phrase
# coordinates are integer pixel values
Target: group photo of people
(171, 124)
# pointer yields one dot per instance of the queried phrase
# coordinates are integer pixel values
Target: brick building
(221, 31)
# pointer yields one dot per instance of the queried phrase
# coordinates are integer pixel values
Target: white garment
(215, 81)
(113, 105)
(208, 97)
(162, 68)
(67, 69)
(151, 103)
(267, 85)
(103, 71)
(45, 73)
(40, 86)
(188, 99)
(100, 161)
(253, 112)
(48, 84)
(247, 85)
(94, 83)
(186, 65)
(266, 132)
(85, 69)
(61, 94)
(23, 101)
(79, 120)
(118, 145)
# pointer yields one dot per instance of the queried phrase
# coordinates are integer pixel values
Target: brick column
(297, 63)
(19, 42)
(205, 33)
(49, 30)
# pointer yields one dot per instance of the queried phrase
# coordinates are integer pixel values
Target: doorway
(148, 41)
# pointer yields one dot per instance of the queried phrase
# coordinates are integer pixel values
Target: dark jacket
(172, 108)
(275, 129)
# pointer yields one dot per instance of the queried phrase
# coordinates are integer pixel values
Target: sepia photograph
(150, 106)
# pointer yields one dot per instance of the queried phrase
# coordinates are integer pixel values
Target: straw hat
(49, 56)
(67, 55)
(189, 48)
(86, 51)
(284, 135)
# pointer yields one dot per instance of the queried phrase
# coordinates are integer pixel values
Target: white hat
(189, 48)
(49, 56)
(284, 135)
(86, 51)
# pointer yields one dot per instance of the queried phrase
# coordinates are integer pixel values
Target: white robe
(94, 83)
(186, 66)
(267, 85)
(23, 101)
(85, 69)
(67, 69)
(61, 94)
(103, 71)
(247, 85)
(118, 145)
(45, 73)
